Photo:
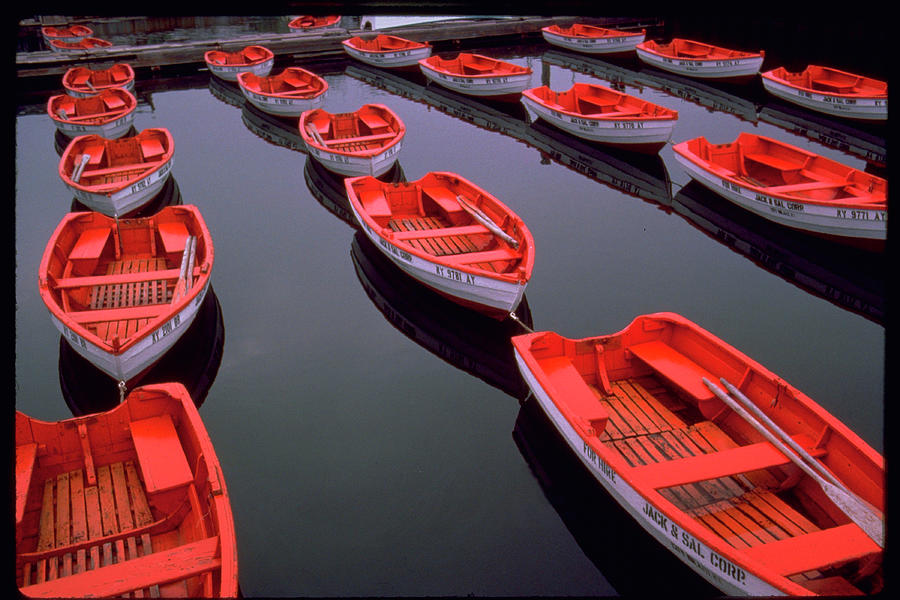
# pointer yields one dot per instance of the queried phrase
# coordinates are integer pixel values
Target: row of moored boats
(755, 486)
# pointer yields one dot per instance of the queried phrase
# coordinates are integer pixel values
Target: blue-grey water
(372, 436)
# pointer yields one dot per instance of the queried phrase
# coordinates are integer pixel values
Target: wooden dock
(308, 45)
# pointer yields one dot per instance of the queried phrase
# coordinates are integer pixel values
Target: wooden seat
(773, 161)
(676, 368)
(374, 203)
(151, 148)
(444, 198)
(90, 244)
(816, 550)
(732, 461)
(432, 236)
(174, 235)
(160, 454)
(571, 390)
(135, 574)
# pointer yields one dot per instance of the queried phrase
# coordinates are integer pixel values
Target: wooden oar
(486, 221)
(182, 285)
(79, 168)
(315, 134)
(749, 405)
(861, 514)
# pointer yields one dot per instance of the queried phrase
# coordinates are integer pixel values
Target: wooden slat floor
(648, 428)
(74, 512)
(447, 245)
(129, 294)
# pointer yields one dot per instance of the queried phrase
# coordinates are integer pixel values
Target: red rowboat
(363, 142)
(123, 291)
(590, 39)
(226, 65)
(131, 500)
(305, 22)
(66, 33)
(704, 61)
(81, 82)
(477, 75)
(830, 91)
(450, 235)
(109, 113)
(791, 186)
(757, 488)
(601, 114)
(117, 177)
(81, 46)
(387, 51)
(287, 94)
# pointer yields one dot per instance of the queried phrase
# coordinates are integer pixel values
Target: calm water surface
(373, 437)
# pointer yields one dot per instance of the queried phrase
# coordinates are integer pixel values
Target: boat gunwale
(397, 134)
(284, 95)
(209, 54)
(84, 89)
(112, 116)
(632, 476)
(144, 171)
(519, 276)
(516, 71)
(656, 48)
(605, 33)
(169, 310)
(775, 76)
(671, 116)
(351, 43)
(859, 203)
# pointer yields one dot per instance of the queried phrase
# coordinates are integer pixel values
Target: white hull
(871, 109)
(837, 221)
(392, 59)
(112, 130)
(479, 86)
(704, 69)
(146, 352)
(282, 107)
(608, 45)
(475, 290)
(355, 166)
(722, 573)
(230, 73)
(128, 199)
(608, 131)
(79, 94)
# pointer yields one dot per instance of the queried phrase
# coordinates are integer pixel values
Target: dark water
(373, 436)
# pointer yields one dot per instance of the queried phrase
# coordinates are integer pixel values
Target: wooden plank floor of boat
(74, 512)
(121, 295)
(448, 245)
(648, 424)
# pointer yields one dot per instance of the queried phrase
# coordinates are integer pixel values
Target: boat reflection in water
(749, 103)
(328, 188)
(718, 97)
(632, 562)
(169, 195)
(193, 361)
(464, 338)
(866, 141)
(280, 131)
(636, 174)
(226, 91)
(848, 277)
